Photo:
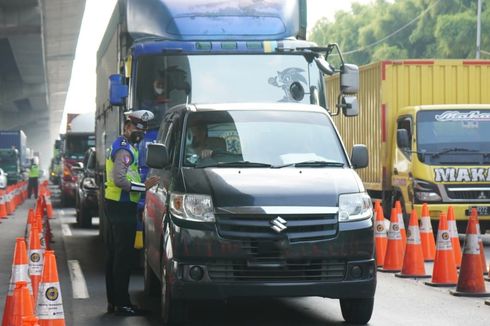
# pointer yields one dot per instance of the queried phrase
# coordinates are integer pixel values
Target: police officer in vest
(122, 192)
(33, 179)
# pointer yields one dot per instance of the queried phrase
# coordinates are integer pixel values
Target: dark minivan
(257, 200)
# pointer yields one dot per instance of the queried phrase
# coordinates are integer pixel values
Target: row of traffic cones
(34, 287)
(447, 257)
(11, 198)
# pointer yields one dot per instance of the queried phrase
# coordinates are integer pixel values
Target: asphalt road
(397, 302)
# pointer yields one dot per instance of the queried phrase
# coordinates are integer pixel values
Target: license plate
(482, 210)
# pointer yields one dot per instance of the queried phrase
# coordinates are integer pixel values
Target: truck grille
(309, 227)
(479, 193)
(278, 270)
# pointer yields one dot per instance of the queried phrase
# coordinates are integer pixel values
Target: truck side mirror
(349, 79)
(359, 156)
(117, 90)
(402, 139)
(349, 105)
(157, 156)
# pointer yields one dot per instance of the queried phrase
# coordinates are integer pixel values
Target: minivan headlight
(354, 207)
(89, 183)
(192, 207)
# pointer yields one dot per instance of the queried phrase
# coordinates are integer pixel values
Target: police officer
(122, 192)
(32, 186)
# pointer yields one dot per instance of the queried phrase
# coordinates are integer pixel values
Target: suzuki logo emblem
(279, 224)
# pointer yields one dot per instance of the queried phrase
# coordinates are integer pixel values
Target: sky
(81, 92)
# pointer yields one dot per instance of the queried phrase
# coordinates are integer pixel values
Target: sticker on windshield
(463, 116)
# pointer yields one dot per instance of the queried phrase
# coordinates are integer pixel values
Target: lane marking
(78, 284)
(65, 229)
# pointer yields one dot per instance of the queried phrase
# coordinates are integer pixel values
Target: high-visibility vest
(34, 171)
(113, 192)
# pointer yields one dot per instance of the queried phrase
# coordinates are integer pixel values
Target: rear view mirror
(117, 90)
(349, 79)
(402, 139)
(157, 156)
(359, 156)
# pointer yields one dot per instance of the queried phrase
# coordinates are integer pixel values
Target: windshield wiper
(313, 164)
(233, 164)
(453, 149)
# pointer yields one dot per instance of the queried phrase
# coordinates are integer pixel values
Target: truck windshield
(453, 136)
(8, 161)
(262, 139)
(165, 81)
(77, 145)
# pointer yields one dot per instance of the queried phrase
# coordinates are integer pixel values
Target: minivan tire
(172, 311)
(357, 311)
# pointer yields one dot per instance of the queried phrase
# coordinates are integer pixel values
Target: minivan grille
(308, 227)
(277, 270)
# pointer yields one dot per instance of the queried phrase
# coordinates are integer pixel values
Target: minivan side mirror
(359, 156)
(157, 156)
(402, 139)
(117, 90)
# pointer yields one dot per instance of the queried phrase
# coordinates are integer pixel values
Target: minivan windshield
(453, 136)
(261, 139)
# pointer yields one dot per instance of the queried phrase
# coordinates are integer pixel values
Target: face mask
(158, 91)
(136, 136)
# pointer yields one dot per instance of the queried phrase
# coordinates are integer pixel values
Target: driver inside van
(199, 141)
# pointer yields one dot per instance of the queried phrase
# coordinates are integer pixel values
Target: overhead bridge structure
(38, 40)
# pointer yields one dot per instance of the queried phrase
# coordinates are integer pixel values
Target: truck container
(13, 154)
(449, 167)
(79, 137)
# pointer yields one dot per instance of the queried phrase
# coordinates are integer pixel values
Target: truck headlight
(354, 207)
(425, 191)
(192, 207)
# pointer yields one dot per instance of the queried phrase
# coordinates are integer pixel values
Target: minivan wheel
(151, 284)
(172, 310)
(357, 311)
(85, 217)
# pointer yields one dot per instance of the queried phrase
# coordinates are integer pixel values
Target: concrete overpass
(38, 40)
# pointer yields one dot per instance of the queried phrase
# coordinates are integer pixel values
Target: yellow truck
(426, 124)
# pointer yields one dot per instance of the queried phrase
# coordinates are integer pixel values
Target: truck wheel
(151, 284)
(85, 217)
(172, 310)
(357, 311)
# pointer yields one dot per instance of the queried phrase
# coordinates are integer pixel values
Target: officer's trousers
(32, 187)
(120, 231)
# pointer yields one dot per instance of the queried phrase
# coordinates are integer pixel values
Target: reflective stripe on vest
(113, 192)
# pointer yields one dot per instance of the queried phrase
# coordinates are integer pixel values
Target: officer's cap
(139, 118)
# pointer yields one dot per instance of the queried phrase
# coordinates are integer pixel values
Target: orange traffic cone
(47, 201)
(445, 271)
(36, 260)
(49, 306)
(380, 235)
(401, 222)
(30, 221)
(30, 321)
(413, 262)
(474, 212)
(394, 256)
(453, 233)
(21, 304)
(427, 235)
(3, 208)
(470, 282)
(19, 273)
(8, 202)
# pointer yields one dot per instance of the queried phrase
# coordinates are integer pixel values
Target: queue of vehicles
(227, 229)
